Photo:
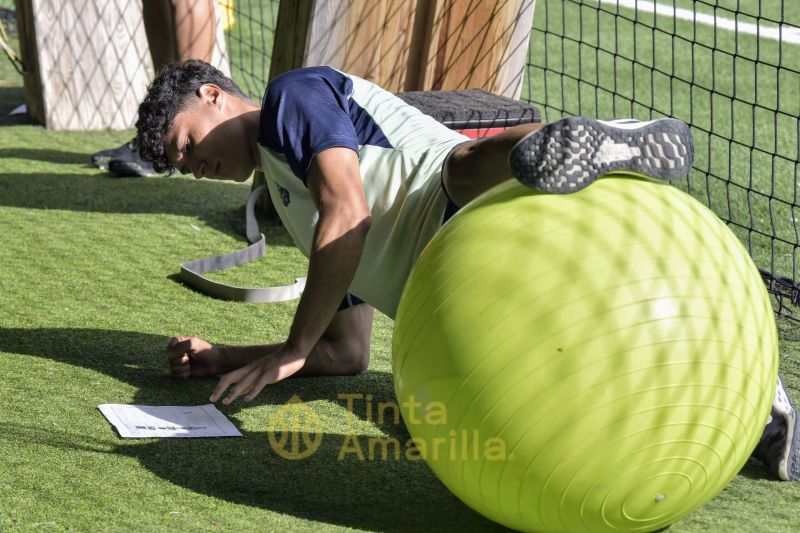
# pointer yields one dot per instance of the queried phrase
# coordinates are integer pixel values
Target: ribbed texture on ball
(618, 342)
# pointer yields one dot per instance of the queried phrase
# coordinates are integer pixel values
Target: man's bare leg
(476, 166)
(178, 30)
(195, 29)
(567, 155)
(159, 26)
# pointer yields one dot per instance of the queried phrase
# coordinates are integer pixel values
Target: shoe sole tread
(567, 155)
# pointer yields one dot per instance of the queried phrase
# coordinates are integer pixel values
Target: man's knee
(455, 166)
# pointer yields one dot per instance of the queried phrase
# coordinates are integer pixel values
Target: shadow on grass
(101, 194)
(382, 494)
(47, 156)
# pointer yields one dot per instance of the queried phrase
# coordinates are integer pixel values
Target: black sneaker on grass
(567, 155)
(130, 168)
(102, 158)
(123, 161)
(779, 447)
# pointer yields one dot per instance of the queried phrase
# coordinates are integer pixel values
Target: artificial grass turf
(89, 305)
(89, 301)
(88, 308)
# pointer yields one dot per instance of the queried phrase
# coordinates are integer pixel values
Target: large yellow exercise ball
(598, 361)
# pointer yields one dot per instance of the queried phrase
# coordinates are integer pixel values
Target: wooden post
(368, 38)
(478, 44)
(291, 36)
(87, 61)
(408, 45)
(31, 81)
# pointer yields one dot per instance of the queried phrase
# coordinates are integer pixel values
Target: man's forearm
(327, 358)
(332, 265)
(235, 357)
(334, 182)
(339, 243)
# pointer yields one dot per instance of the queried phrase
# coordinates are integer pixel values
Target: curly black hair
(169, 93)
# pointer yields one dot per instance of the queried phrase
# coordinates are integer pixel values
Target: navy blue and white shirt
(400, 150)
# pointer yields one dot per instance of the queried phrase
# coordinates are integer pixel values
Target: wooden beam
(31, 78)
(474, 44)
(408, 45)
(368, 38)
(289, 49)
(420, 43)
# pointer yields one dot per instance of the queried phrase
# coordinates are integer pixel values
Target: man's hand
(193, 357)
(342, 351)
(252, 378)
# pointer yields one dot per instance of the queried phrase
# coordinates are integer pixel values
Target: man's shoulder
(305, 111)
(309, 78)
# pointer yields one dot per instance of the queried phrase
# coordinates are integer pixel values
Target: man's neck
(252, 119)
(250, 114)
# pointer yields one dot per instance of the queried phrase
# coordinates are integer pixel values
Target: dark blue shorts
(451, 208)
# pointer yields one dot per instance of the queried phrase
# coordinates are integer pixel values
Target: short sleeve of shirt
(304, 112)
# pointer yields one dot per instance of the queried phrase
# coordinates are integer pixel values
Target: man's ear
(211, 93)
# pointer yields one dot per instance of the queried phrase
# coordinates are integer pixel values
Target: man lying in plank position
(362, 181)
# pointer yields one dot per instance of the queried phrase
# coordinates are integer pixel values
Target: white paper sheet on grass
(146, 421)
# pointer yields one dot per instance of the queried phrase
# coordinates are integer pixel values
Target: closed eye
(186, 150)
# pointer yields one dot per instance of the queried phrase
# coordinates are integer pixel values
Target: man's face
(208, 138)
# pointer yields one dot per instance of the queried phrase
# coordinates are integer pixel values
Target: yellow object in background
(227, 14)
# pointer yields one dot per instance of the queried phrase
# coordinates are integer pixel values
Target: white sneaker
(779, 447)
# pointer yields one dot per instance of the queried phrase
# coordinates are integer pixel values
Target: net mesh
(730, 69)
(249, 35)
